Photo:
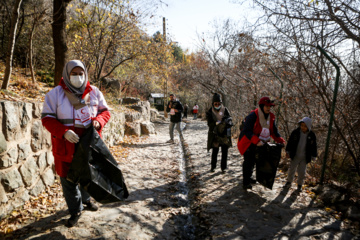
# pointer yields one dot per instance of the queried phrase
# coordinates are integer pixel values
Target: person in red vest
(259, 126)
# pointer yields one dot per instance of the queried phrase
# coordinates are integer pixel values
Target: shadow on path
(46, 224)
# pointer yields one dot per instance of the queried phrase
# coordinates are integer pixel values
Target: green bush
(46, 77)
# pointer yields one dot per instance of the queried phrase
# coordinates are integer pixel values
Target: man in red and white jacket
(66, 125)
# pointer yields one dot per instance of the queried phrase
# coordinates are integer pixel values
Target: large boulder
(153, 114)
(38, 133)
(143, 108)
(36, 110)
(3, 197)
(48, 177)
(147, 128)
(11, 117)
(11, 180)
(132, 129)
(9, 159)
(132, 116)
(130, 100)
(38, 188)
(24, 150)
(29, 171)
(26, 114)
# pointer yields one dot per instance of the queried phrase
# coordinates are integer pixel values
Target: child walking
(301, 148)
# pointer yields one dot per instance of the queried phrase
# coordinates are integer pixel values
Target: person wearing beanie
(69, 109)
(259, 126)
(301, 149)
(219, 134)
(175, 109)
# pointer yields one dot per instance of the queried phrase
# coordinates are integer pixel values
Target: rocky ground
(210, 205)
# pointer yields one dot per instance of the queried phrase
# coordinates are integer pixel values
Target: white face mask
(77, 80)
(217, 108)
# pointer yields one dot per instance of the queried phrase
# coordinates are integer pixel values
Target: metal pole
(165, 81)
(332, 111)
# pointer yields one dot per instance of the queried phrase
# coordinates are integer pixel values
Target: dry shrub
(26, 84)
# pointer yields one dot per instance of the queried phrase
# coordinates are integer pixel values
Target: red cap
(266, 101)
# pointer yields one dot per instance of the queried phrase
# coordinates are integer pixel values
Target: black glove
(280, 145)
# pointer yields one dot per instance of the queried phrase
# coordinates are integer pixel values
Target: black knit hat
(216, 98)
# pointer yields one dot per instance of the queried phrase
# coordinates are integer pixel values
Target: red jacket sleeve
(103, 118)
(56, 128)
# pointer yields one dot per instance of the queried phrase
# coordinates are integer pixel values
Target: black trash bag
(222, 131)
(267, 158)
(96, 170)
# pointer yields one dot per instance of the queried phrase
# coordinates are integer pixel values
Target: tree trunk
(11, 46)
(31, 51)
(59, 38)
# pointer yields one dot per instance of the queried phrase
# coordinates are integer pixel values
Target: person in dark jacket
(174, 108)
(301, 148)
(219, 135)
(259, 126)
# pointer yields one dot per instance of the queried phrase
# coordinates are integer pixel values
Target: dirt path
(155, 208)
(226, 211)
(217, 207)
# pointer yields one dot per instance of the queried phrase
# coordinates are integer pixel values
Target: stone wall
(26, 160)
(138, 118)
(113, 131)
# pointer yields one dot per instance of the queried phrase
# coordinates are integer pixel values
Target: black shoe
(223, 171)
(299, 188)
(90, 206)
(252, 181)
(73, 220)
(212, 170)
(248, 186)
(287, 185)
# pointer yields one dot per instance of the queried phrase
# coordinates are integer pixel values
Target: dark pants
(248, 164)
(224, 153)
(74, 196)
(185, 114)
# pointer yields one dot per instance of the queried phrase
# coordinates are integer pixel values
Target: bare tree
(11, 45)
(334, 25)
(38, 14)
(59, 37)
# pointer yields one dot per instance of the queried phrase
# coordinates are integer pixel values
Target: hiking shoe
(248, 186)
(90, 206)
(252, 181)
(287, 185)
(212, 170)
(299, 188)
(223, 171)
(171, 141)
(73, 220)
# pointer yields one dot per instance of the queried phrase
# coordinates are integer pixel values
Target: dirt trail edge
(223, 210)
